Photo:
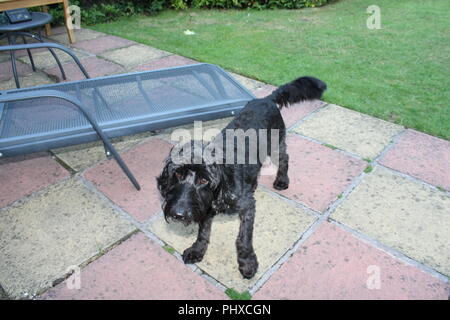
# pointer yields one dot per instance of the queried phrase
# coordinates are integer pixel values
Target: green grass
(169, 249)
(399, 73)
(368, 169)
(330, 146)
(234, 295)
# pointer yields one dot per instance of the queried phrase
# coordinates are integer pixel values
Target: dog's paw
(192, 255)
(248, 266)
(281, 184)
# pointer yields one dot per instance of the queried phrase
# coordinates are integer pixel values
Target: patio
(367, 214)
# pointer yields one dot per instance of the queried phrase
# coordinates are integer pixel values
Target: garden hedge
(94, 11)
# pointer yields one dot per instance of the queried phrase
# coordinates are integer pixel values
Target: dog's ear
(223, 195)
(165, 179)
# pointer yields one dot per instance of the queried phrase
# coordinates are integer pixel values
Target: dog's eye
(203, 181)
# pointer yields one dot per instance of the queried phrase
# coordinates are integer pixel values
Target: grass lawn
(399, 73)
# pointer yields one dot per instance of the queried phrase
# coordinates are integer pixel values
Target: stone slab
(80, 35)
(83, 156)
(165, 62)
(334, 264)
(137, 269)
(64, 226)
(6, 70)
(422, 156)
(348, 130)
(134, 55)
(44, 59)
(94, 66)
(23, 175)
(317, 173)
(35, 79)
(278, 225)
(102, 44)
(406, 215)
(146, 163)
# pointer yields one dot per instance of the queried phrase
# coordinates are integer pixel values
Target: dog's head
(187, 184)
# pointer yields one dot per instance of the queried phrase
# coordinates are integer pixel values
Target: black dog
(195, 191)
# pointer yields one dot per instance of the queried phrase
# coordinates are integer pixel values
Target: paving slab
(201, 130)
(3, 295)
(146, 163)
(404, 214)
(80, 35)
(422, 156)
(6, 70)
(263, 91)
(102, 44)
(22, 175)
(35, 79)
(63, 226)
(24, 54)
(334, 264)
(250, 84)
(134, 55)
(165, 62)
(83, 156)
(317, 173)
(59, 30)
(44, 59)
(94, 66)
(348, 130)
(137, 269)
(18, 53)
(298, 111)
(5, 57)
(278, 225)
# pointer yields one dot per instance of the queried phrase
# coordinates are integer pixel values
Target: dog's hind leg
(248, 264)
(282, 180)
(196, 252)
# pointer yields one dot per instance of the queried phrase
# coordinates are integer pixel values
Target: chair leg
(107, 152)
(29, 54)
(68, 22)
(39, 38)
(63, 74)
(48, 28)
(12, 54)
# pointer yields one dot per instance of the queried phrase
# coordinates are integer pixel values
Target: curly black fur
(196, 192)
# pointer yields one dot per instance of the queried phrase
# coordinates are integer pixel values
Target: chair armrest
(46, 45)
(28, 95)
(13, 95)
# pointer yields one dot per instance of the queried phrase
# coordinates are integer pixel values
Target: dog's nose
(180, 214)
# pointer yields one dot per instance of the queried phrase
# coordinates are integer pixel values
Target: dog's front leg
(196, 252)
(248, 264)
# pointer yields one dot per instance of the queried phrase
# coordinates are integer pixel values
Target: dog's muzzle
(181, 215)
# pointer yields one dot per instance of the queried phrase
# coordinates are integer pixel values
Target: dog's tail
(301, 89)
